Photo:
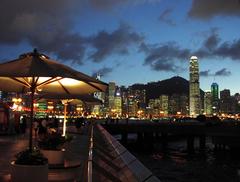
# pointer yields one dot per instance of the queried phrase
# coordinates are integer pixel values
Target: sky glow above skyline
(129, 41)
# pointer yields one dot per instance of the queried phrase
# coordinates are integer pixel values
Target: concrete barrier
(120, 164)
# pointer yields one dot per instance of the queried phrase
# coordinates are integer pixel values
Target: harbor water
(175, 164)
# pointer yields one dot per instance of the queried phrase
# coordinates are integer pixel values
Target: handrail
(90, 154)
(87, 168)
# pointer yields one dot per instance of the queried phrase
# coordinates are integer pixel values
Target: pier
(223, 134)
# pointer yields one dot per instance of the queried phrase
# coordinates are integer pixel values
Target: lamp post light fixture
(16, 104)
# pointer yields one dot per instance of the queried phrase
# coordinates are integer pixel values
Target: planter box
(28, 173)
(55, 157)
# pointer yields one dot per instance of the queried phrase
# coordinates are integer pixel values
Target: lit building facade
(194, 90)
(118, 104)
(215, 97)
(99, 109)
(178, 104)
(136, 99)
(208, 102)
(227, 102)
(111, 95)
(163, 104)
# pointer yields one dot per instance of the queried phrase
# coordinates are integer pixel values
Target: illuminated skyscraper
(194, 91)
(208, 102)
(118, 103)
(98, 109)
(215, 97)
(215, 91)
(111, 95)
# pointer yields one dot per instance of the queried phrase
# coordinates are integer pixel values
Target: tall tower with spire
(194, 90)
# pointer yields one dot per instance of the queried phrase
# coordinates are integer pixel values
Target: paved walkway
(9, 146)
(76, 154)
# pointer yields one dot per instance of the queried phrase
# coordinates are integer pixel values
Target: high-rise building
(164, 104)
(136, 101)
(118, 103)
(215, 98)
(215, 91)
(111, 95)
(227, 102)
(178, 104)
(98, 109)
(208, 102)
(194, 91)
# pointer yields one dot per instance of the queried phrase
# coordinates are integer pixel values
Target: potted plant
(51, 146)
(30, 165)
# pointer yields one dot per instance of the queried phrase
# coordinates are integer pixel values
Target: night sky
(129, 41)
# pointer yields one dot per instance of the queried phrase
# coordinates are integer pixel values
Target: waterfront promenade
(110, 161)
(75, 156)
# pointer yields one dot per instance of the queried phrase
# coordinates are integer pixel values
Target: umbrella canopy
(33, 72)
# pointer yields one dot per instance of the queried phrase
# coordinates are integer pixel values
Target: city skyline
(127, 41)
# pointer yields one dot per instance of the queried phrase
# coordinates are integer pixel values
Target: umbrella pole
(31, 119)
(65, 119)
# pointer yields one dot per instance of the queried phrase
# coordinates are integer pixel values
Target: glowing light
(67, 82)
(50, 107)
(64, 120)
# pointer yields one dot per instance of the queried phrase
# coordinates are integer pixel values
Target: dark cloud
(163, 57)
(164, 65)
(206, 9)
(43, 24)
(108, 4)
(212, 47)
(205, 73)
(117, 42)
(165, 17)
(229, 50)
(212, 41)
(47, 26)
(102, 72)
(223, 72)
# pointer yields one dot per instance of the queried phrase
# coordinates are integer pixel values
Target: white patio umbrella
(33, 72)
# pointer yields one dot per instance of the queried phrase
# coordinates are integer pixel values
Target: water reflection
(174, 164)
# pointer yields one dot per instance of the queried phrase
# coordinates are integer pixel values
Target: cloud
(117, 42)
(212, 47)
(229, 50)
(205, 9)
(212, 41)
(164, 17)
(164, 65)
(223, 72)
(108, 4)
(46, 25)
(205, 73)
(103, 72)
(163, 57)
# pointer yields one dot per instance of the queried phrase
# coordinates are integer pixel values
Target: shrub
(30, 157)
(53, 141)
